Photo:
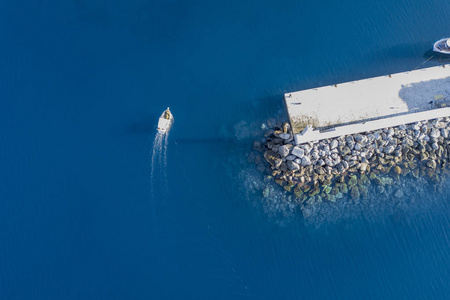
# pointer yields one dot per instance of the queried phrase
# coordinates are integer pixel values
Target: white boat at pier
(442, 46)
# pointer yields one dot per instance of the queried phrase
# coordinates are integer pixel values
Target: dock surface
(356, 102)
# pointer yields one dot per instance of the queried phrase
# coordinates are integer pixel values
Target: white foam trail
(166, 142)
(164, 166)
(159, 150)
(156, 154)
(158, 175)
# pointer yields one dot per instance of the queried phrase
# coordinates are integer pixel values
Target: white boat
(442, 46)
(165, 121)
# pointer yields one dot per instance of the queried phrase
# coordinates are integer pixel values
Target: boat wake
(158, 175)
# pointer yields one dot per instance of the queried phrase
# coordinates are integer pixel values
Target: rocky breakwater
(355, 164)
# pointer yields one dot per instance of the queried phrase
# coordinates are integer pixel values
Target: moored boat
(442, 46)
(165, 121)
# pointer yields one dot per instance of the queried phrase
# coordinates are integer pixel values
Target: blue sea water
(90, 210)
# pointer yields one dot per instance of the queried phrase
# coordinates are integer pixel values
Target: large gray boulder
(340, 168)
(389, 149)
(328, 161)
(284, 136)
(284, 150)
(320, 170)
(292, 165)
(345, 164)
(306, 161)
(350, 141)
(363, 167)
(334, 144)
(435, 133)
(360, 138)
(299, 152)
(408, 142)
(344, 150)
(320, 162)
(315, 154)
(277, 140)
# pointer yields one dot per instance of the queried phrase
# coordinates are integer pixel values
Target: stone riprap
(328, 169)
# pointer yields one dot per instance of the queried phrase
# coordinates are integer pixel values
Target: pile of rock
(327, 169)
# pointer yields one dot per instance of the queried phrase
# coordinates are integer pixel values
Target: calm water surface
(85, 214)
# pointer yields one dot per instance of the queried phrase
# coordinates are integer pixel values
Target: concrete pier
(369, 104)
(360, 138)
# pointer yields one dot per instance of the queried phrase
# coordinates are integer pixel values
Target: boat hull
(164, 125)
(441, 46)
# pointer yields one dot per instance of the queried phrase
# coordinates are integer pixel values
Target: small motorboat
(442, 46)
(165, 121)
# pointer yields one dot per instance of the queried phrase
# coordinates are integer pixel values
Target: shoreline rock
(328, 169)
